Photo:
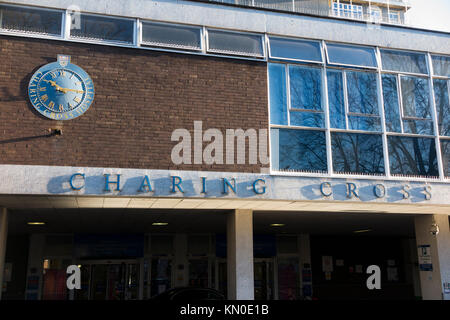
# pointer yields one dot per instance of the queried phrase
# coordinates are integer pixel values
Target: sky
(430, 14)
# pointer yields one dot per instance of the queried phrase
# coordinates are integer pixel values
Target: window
(277, 93)
(347, 10)
(164, 35)
(339, 54)
(445, 150)
(441, 66)
(298, 150)
(305, 97)
(362, 100)
(375, 14)
(404, 61)
(295, 49)
(391, 103)
(94, 27)
(357, 153)
(416, 105)
(394, 17)
(235, 43)
(441, 94)
(412, 156)
(31, 20)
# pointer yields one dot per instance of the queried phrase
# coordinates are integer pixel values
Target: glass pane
(307, 119)
(298, 150)
(288, 279)
(305, 88)
(277, 92)
(336, 99)
(30, 20)
(295, 49)
(362, 92)
(103, 28)
(198, 273)
(415, 97)
(441, 94)
(412, 156)
(441, 65)
(235, 43)
(351, 55)
(445, 150)
(183, 37)
(404, 61)
(364, 123)
(357, 153)
(161, 275)
(391, 107)
(418, 126)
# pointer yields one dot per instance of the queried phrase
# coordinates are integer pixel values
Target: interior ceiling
(204, 221)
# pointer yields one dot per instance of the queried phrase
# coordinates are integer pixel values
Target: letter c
(328, 185)
(73, 177)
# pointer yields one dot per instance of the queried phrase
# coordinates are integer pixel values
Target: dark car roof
(169, 294)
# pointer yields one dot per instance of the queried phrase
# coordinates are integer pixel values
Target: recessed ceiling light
(159, 224)
(277, 225)
(36, 223)
(361, 231)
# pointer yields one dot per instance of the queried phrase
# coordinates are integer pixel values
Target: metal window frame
(200, 32)
(96, 40)
(326, 43)
(32, 33)
(299, 40)
(404, 72)
(261, 37)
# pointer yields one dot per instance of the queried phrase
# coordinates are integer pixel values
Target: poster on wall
(424, 253)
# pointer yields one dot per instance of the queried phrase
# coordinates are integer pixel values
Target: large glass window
(357, 153)
(445, 150)
(175, 36)
(404, 61)
(298, 150)
(412, 156)
(281, 48)
(391, 103)
(94, 27)
(306, 97)
(235, 43)
(441, 66)
(32, 20)
(277, 93)
(441, 94)
(351, 55)
(362, 100)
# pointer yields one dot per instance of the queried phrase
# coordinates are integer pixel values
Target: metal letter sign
(61, 90)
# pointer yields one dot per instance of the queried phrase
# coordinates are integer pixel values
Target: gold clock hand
(53, 83)
(65, 90)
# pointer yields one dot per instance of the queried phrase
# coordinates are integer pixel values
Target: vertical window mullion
(288, 95)
(325, 107)
(400, 100)
(383, 124)
(435, 118)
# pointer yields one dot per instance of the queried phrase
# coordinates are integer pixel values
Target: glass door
(263, 277)
(161, 275)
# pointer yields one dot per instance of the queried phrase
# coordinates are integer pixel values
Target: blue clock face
(61, 90)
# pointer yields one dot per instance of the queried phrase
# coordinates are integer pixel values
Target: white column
(432, 282)
(240, 255)
(3, 237)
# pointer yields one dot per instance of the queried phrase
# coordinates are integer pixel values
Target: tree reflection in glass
(391, 105)
(336, 99)
(357, 153)
(412, 156)
(445, 150)
(298, 150)
(441, 95)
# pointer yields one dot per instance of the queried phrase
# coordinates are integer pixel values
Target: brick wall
(141, 96)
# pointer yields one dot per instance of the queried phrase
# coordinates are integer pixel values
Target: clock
(61, 90)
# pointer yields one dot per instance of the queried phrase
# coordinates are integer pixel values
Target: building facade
(266, 153)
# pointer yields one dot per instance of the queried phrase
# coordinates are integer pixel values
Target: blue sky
(430, 14)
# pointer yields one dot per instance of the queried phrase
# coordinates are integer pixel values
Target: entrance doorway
(264, 275)
(109, 280)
